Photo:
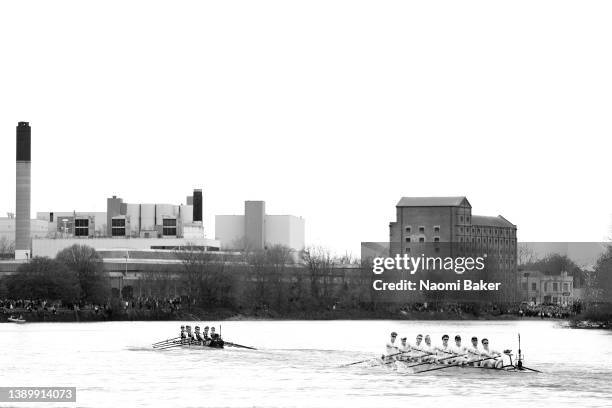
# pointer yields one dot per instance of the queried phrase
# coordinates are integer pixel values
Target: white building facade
(258, 230)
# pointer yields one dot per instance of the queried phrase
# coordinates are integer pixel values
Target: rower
(183, 335)
(428, 349)
(206, 337)
(486, 352)
(198, 337)
(417, 348)
(189, 334)
(443, 351)
(404, 348)
(474, 352)
(212, 336)
(391, 347)
(419, 340)
(459, 350)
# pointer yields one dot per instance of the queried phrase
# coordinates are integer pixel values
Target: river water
(296, 365)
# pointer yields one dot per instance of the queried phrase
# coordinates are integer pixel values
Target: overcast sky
(331, 110)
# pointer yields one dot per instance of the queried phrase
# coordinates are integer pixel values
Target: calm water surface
(113, 365)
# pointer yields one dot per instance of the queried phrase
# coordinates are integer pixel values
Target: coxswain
(486, 352)
(216, 341)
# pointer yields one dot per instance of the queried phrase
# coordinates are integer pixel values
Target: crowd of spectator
(476, 309)
(144, 303)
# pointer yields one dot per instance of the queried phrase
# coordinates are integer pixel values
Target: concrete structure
(538, 287)
(255, 224)
(50, 247)
(127, 220)
(23, 187)
(64, 224)
(38, 228)
(257, 230)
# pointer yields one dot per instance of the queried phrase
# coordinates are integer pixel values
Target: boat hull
(445, 368)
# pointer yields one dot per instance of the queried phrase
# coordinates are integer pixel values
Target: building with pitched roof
(445, 226)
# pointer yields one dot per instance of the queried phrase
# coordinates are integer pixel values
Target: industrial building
(38, 228)
(127, 226)
(421, 220)
(258, 230)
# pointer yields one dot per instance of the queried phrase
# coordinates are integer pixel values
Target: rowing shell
(445, 368)
(179, 344)
(18, 321)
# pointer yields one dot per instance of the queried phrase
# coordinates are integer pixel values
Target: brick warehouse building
(445, 226)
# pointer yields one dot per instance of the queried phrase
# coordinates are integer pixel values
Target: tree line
(75, 275)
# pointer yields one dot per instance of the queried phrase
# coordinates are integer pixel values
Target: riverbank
(198, 314)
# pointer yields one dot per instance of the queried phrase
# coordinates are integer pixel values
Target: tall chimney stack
(197, 205)
(22, 207)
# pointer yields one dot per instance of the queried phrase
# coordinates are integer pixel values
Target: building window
(437, 229)
(421, 229)
(467, 218)
(566, 287)
(118, 227)
(461, 218)
(169, 227)
(555, 287)
(408, 229)
(534, 286)
(436, 239)
(422, 239)
(545, 286)
(407, 239)
(81, 227)
(407, 250)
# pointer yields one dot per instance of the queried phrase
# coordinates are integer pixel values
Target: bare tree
(7, 248)
(525, 255)
(320, 264)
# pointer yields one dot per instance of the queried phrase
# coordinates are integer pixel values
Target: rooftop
(487, 221)
(433, 201)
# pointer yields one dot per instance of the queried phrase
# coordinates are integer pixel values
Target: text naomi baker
(427, 285)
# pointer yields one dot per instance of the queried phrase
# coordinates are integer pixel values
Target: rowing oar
(165, 341)
(371, 358)
(425, 353)
(530, 369)
(162, 345)
(229, 343)
(174, 344)
(442, 359)
(451, 365)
